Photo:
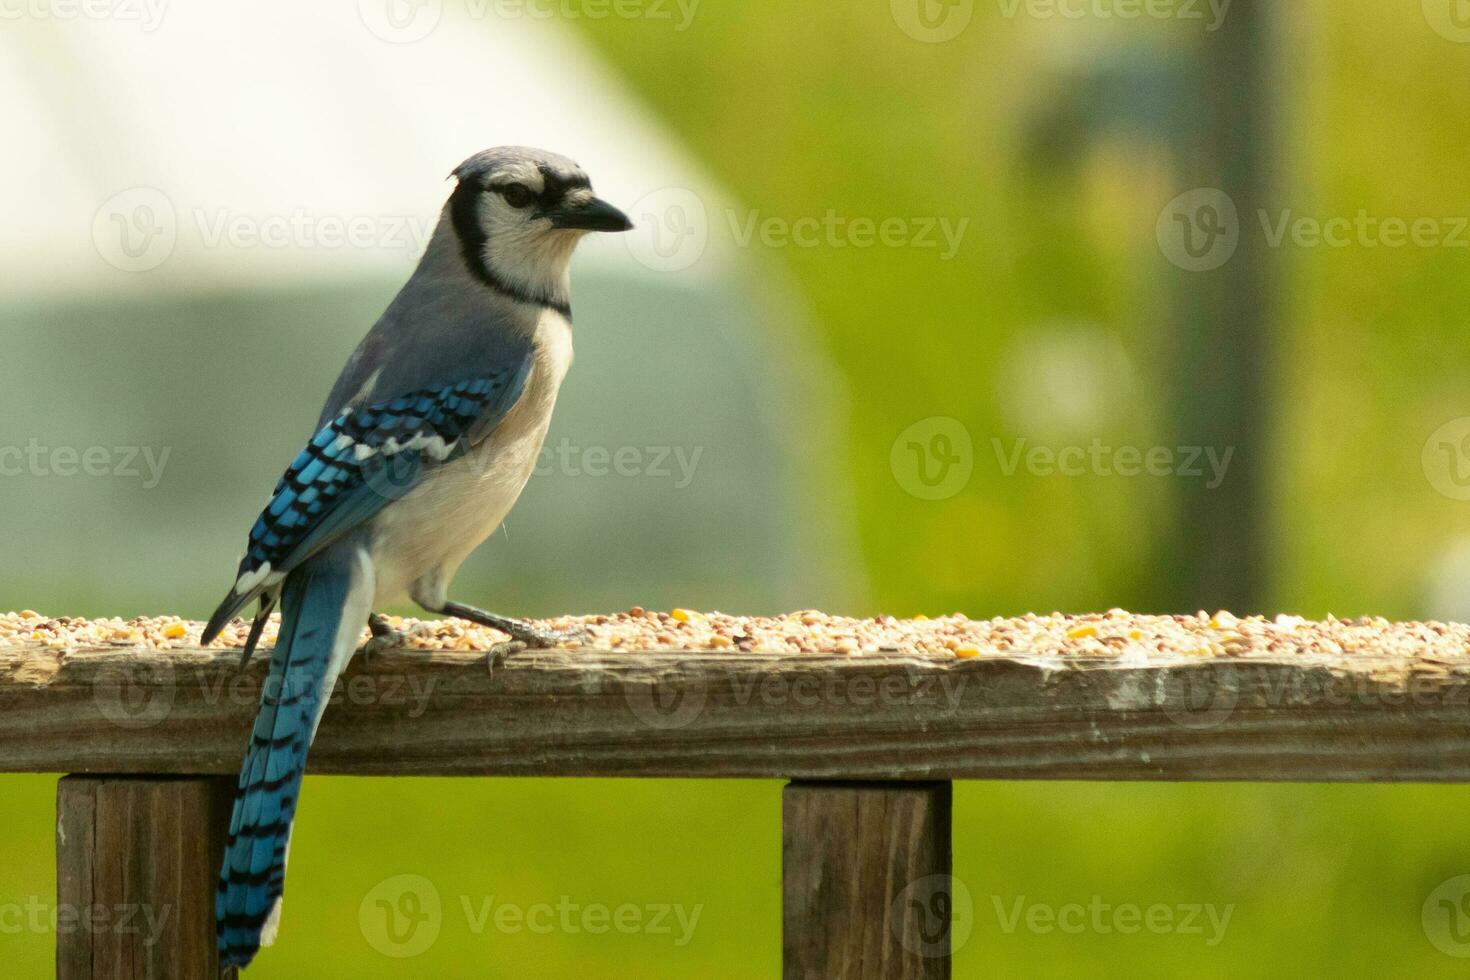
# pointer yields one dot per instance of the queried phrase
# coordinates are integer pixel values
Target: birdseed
(1116, 635)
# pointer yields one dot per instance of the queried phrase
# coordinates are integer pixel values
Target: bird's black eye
(517, 195)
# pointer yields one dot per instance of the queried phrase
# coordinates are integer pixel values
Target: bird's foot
(528, 637)
(499, 652)
(523, 635)
(536, 638)
(386, 638)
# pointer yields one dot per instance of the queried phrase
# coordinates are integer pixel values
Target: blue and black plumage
(356, 464)
(426, 440)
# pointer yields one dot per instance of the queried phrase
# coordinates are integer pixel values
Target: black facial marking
(516, 194)
(558, 184)
(464, 207)
(464, 215)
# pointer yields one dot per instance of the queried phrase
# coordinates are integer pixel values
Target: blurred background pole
(1221, 378)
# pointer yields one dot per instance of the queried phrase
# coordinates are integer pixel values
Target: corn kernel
(683, 615)
(967, 652)
(175, 631)
(29, 614)
(921, 617)
(1081, 632)
(1135, 635)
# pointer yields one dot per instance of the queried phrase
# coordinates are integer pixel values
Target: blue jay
(424, 444)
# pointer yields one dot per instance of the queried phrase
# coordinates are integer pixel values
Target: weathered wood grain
(865, 880)
(135, 870)
(1360, 717)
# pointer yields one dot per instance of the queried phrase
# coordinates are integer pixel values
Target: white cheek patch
(523, 252)
(526, 251)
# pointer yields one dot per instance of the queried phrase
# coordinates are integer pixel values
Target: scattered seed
(1117, 633)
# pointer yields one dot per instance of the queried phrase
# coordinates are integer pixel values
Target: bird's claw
(500, 651)
(531, 638)
(536, 638)
(390, 640)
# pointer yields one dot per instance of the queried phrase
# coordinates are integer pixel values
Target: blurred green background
(1058, 319)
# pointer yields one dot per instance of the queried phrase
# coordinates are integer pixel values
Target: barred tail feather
(324, 604)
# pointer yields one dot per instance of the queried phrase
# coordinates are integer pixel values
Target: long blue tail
(323, 606)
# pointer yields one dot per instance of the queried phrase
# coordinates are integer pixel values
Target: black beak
(594, 214)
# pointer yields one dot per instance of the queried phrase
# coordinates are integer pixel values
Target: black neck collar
(464, 214)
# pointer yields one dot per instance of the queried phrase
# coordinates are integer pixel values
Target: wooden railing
(870, 742)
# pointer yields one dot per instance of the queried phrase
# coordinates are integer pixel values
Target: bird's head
(518, 213)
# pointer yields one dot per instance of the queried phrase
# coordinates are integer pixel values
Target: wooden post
(1222, 371)
(866, 886)
(136, 860)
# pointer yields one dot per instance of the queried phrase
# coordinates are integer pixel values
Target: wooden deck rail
(870, 742)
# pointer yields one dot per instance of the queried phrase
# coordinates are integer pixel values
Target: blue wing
(358, 463)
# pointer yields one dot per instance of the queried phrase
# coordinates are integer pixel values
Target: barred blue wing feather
(359, 462)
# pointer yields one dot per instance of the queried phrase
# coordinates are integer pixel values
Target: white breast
(428, 533)
(553, 351)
